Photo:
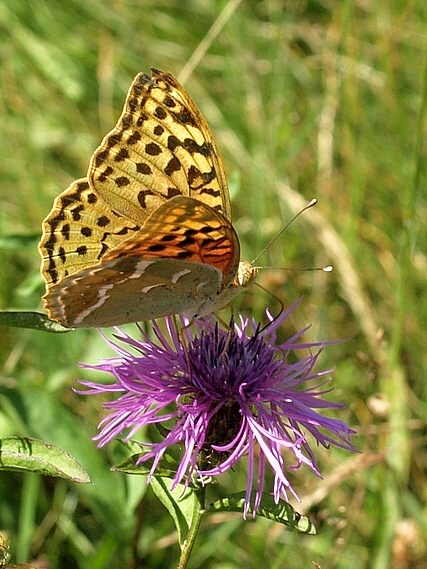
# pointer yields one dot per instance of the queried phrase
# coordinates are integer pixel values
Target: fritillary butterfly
(148, 232)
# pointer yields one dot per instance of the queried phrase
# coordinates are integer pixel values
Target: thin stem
(27, 515)
(198, 513)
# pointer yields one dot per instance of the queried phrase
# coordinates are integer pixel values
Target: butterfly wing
(79, 231)
(161, 147)
(180, 261)
(160, 151)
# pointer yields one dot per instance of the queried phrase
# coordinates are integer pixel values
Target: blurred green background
(306, 99)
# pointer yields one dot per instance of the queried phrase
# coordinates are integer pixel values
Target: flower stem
(198, 513)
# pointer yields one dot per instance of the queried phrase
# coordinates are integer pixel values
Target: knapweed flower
(224, 394)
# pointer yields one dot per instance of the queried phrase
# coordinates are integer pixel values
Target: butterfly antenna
(327, 269)
(270, 243)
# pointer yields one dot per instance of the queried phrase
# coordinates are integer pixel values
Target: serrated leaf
(32, 320)
(281, 512)
(32, 455)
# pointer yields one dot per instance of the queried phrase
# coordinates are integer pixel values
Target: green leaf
(33, 320)
(281, 512)
(180, 504)
(167, 466)
(32, 455)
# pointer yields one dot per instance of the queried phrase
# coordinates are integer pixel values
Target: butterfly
(148, 232)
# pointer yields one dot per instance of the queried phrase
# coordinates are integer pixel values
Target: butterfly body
(148, 233)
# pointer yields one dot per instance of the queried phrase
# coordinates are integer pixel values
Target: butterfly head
(245, 274)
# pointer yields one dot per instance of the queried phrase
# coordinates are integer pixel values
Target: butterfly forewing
(199, 131)
(161, 147)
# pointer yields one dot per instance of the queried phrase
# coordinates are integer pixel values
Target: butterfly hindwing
(79, 231)
(184, 255)
(131, 289)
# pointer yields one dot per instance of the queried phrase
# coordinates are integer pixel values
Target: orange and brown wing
(184, 258)
(188, 230)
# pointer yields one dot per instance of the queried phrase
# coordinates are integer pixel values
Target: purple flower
(224, 394)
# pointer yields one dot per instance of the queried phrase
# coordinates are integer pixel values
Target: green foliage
(29, 319)
(30, 455)
(282, 512)
(306, 99)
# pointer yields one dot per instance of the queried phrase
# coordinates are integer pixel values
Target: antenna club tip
(328, 269)
(312, 202)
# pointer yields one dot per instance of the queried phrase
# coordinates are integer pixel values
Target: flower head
(225, 392)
